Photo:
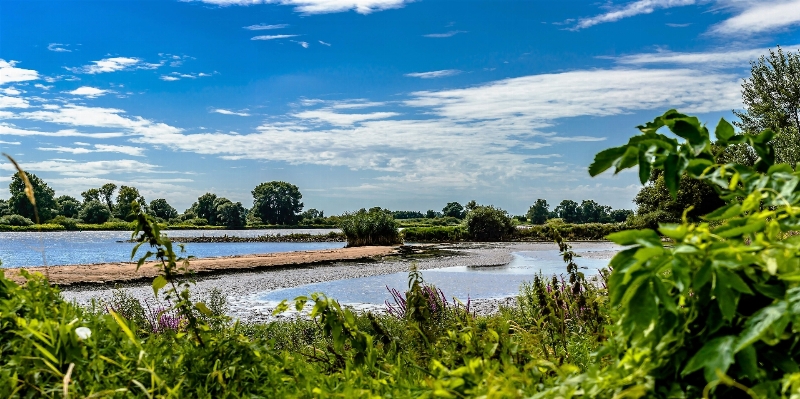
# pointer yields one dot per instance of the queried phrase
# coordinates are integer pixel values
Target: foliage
(90, 195)
(21, 205)
(160, 208)
(454, 209)
(434, 234)
(656, 199)
(124, 208)
(277, 202)
(771, 97)
(487, 223)
(107, 193)
(16, 220)
(231, 215)
(95, 212)
(373, 227)
(407, 215)
(539, 212)
(68, 223)
(33, 228)
(68, 206)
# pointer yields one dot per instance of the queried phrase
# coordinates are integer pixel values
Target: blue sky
(360, 103)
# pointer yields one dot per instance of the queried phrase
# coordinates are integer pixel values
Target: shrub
(95, 212)
(435, 234)
(16, 220)
(487, 223)
(68, 223)
(375, 227)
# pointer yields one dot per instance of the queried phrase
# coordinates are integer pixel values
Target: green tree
(569, 211)
(4, 209)
(313, 214)
(68, 206)
(95, 212)
(107, 193)
(620, 215)
(125, 197)
(454, 209)
(231, 215)
(45, 198)
(91, 194)
(162, 209)
(205, 208)
(430, 214)
(771, 97)
(592, 212)
(277, 202)
(487, 223)
(656, 205)
(539, 212)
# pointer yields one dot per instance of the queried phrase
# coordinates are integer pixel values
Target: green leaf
(605, 159)
(750, 227)
(688, 128)
(203, 309)
(725, 212)
(644, 237)
(716, 354)
(724, 131)
(697, 166)
(158, 283)
(762, 321)
(628, 159)
(747, 360)
(644, 168)
(300, 302)
(282, 307)
(664, 297)
(672, 174)
(641, 310)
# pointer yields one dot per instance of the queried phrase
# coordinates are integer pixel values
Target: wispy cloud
(11, 91)
(760, 17)
(43, 87)
(265, 27)
(434, 74)
(228, 112)
(87, 169)
(87, 91)
(114, 64)
(446, 34)
(304, 44)
(12, 130)
(10, 73)
(178, 76)
(631, 9)
(722, 58)
(122, 149)
(672, 25)
(272, 37)
(58, 47)
(339, 119)
(324, 44)
(319, 6)
(10, 142)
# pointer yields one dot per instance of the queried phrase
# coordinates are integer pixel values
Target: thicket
(714, 314)
(373, 227)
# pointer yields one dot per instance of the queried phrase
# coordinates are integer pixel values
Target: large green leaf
(644, 237)
(724, 131)
(761, 322)
(716, 354)
(605, 159)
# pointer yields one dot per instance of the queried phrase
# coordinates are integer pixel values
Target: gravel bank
(243, 288)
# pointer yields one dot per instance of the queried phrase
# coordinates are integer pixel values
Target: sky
(401, 104)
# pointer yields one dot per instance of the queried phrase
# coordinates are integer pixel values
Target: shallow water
(461, 282)
(73, 247)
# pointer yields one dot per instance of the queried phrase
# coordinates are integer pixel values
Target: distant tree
(430, 214)
(205, 208)
(91, 194)
(654, 200)
(568, 211)
(107, 193)
(408, 215)
(231, 215)
(487, 223)
(312, 214)
(539, 212)
(4, 209)
(471, 205)
(162, 209)
(45, 198)
(454, 209)
(95, 212)
(277, 202)
(125, 198)
(15, 220)
(592, 212)
(771, 97)
(620, 215)
(68, 206)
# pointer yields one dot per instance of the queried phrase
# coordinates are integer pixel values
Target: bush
(435, 234)
(487, 223)
(16, 220)
(68, 223)
(375, 227)
(95, 212)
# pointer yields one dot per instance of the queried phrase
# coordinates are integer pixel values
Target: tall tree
(95, 212)
(771, 97)
(125, 198)
(45, 198)
(90, 195)
(538, 212)
(592, 212)
(107, 193)
(68, 206)
(277, 202)
(232, 215)
(568, 210)
(454, 209)
(205, 208)
(162, 209)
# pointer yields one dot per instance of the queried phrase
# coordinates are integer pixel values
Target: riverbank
(245, 288)
(127, 272)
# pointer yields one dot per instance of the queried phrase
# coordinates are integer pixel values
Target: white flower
(83, 332)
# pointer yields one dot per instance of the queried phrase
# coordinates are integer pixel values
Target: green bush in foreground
(374, 227)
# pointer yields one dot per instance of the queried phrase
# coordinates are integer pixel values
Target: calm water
(72, 247)
(460, 282)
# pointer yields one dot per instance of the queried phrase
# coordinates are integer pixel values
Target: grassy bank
(570, 232)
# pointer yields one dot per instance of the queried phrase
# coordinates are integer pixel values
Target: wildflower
(83, 333)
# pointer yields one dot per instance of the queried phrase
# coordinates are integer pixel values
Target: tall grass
(369, 228)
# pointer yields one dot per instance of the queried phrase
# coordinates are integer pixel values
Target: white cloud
(434, 74)
(759, 17)
(631, 9)
(10, 73)
(114, 64)
(672, 25)
(320, 6)
(271, 37)
(713, 59)
(334, 118)
(266, 27)
(304, 44)
(168, 78)
(122, 149)
(178, 76)
(13, 102)
(228, 112)
(11, 91)
(86, 91)
(559, 139)
(66, 167)
(43, 87)
(10, 142)
(446, 34)
(324, 44)
(11, 130)
(58, 47)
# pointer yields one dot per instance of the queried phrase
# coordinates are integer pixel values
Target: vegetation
(487, 223)
(373, 227)
(277, 202)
